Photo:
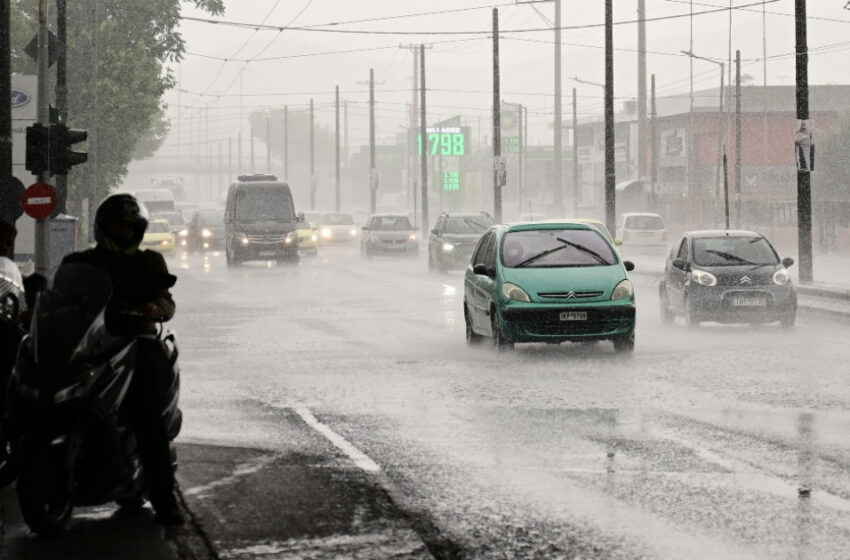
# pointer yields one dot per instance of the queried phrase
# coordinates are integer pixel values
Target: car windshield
(337, 220)
(468, 224)
(556, 248)
(264, 204)
(391, 223)
(158, 227)
(644, 222)
(213, 218)
(732, 251)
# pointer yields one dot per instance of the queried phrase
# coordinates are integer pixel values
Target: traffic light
(37, 159)
(62, 157)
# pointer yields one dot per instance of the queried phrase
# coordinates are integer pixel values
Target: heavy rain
(532, 279)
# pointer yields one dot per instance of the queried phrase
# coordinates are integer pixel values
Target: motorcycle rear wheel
(45, 487)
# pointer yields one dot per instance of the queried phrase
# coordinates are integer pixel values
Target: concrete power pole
(373, 172)
(804, 184)
(610, 170)
(641, 108)
(497, 125)
(336, 151)
(557, 163)
(42, 231)
(312, 159)
(423, 158)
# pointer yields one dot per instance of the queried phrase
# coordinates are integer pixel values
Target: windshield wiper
(475, 225)
(566, 243)
(728, 256)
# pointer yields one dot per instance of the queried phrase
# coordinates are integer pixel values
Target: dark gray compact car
(389, 234)
(454, 237)
(728, 277)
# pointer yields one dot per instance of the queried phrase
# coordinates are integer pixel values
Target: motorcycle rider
(140, 299)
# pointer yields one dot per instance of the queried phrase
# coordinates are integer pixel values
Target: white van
(637, 228)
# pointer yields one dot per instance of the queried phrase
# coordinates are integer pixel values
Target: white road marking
(360, 459)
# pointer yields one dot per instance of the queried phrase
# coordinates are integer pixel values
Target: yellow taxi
(308, 238)
(159, 237)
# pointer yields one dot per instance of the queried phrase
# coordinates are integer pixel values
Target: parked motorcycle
(12, 307)
(70, 381)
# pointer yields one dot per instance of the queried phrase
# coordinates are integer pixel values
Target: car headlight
(243, 239)
(624, 290)
(326, 233)
(412, 237)
(514, 292)
(165, 243)
(206, 234)
(781, 277)
(290, 238)
(314, 237)
(448, 247)
(183, 232)
(353, 232)
(703, 277)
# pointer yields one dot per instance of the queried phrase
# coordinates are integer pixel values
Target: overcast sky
(288, 67)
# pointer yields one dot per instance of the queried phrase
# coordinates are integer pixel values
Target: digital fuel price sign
(444, 141)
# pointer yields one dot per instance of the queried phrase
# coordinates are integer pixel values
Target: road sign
(53, 46)
(39, 200)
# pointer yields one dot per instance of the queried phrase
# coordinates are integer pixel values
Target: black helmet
(120, 208)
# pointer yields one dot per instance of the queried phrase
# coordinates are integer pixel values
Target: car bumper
(549, 323)
(256, 252)
(386, 248)
(730, 304)
(456, 258)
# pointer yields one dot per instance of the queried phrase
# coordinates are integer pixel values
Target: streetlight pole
(720, 120)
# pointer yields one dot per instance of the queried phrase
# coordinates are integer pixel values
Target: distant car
(205, 230)
(598, 224)
(453, 238)
(313, 218)
(729, 277)
(308, 238)
(338, 227)
(389, 234)
(548, 282)
(635, 228)
(159, 237)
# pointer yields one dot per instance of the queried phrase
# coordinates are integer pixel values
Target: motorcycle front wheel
(45, 486)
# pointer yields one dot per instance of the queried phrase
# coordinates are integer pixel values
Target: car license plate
(266, 253)
(574, 316)
(749, 301)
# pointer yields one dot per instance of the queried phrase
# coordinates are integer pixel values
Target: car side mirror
(679, 263)
(618, 241)
(435, 232)
(787, 262)
(482, 270)
(630, 266)
(365, 228)
(299, 217)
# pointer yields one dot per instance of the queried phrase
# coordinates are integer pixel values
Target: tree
(136, 39)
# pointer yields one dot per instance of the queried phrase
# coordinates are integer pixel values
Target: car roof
(549, 224)
(158, 221)
(722, 233)
(389, 215)
(640, 214)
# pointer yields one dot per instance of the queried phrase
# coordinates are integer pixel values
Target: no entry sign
(39, 200)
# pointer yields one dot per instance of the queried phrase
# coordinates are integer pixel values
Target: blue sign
(20, 97)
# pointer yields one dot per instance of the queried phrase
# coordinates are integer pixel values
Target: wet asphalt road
(333, 410)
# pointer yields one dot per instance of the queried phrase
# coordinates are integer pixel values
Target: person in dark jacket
(140, 299)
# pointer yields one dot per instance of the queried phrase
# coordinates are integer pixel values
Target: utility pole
(253, 165)
(6, 210)
(610, 171)
(804, 185)
(94, 140)
(42, 231)
(336, 150)
(738, 171)
(286, 142)
(239, 153)
(268, 146)
(575, 156)
(557, 163)
(423, 159)
(497, 124)
(653, 132)
(219, 185)
(373, 172)
(61, 95)
(313, 184)
(520, 169)
(229, 158)
(641, 108)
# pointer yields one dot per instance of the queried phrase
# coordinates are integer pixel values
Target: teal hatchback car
(548, 282)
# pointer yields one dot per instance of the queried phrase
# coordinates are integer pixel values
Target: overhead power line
(327, 28)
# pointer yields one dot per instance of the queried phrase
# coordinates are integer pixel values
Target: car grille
(570, 295)
(600, 321)
(266, 238)
(748, 295)
(394, 241)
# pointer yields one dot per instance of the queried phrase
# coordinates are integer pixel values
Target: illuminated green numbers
(445, 143)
